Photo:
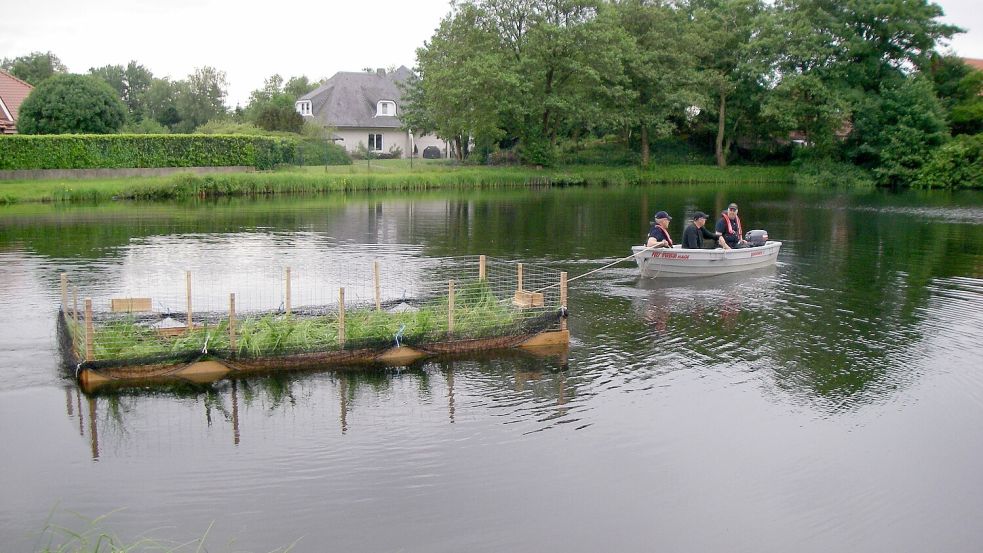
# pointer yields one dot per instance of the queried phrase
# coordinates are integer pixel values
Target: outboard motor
(756, 237)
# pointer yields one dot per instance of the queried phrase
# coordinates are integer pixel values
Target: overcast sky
(252, 40)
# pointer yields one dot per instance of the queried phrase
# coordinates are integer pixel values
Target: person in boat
(659, 233)
(694, 234)
(729, 226)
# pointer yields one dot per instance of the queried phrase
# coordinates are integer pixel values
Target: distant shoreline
(375, 175)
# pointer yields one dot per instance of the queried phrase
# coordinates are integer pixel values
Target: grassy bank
(375, 175)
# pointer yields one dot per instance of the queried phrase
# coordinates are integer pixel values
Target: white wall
(390, 138)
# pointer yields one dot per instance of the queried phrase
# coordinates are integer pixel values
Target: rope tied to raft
(613, 263)
(204, 349)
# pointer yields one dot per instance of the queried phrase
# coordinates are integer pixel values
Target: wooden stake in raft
(518, 285)
(378, 299)
(89, 331)
(450, 306)
(482, 261)
(75, 304)
(287, 279)
(64, 293)
(187, 276)
(563, 298)
(341, 317)
(232, 323)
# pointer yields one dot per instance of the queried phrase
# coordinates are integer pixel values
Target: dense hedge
(957, 164)
(79, 151)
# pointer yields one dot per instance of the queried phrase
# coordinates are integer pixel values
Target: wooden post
(378, 299)
(563, 298)
(187, 276)
(287, 302)
(89, 331)
(341, 317)
(450, 306)
(232, 323)
(75, 304)
(64, 293)
(482, 261)
(519, 274)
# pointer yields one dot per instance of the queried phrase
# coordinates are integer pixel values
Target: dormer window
(304, 107)
(386, 108)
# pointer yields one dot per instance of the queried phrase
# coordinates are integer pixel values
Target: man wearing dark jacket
(694, 234)
(730, 227)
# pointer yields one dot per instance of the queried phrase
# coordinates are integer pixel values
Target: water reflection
(513, 384)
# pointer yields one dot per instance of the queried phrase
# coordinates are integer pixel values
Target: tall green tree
(463, 82)
(160, 102)
(734, 62)
(130, 82)
(272, 107)
(660, 67)
(34, 67)
(69, 104)
(201, 98)
(960, 89)
(896, 130)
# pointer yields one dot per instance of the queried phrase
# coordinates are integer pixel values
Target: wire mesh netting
(278, 312)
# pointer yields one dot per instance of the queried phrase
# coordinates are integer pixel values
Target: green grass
(477, 314)
(376, 175)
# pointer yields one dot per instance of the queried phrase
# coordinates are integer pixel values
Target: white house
(364, 108)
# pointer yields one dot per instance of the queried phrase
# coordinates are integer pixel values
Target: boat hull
(678, 262)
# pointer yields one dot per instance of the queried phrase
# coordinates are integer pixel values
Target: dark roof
(349, 99)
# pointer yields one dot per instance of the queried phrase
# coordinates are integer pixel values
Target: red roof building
(12, 94)
(974, 63)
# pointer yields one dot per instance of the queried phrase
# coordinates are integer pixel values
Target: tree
(896, 130)
(298, 86)
(160, 102)
(960, 89)
(734, 63)
(130, 82)
(71, 104)
(200, 98)
(462, 82)
(34, 67)
(272, 107)
(660, 66)
(280, 114)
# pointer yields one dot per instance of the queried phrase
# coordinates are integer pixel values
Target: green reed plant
(477, 313)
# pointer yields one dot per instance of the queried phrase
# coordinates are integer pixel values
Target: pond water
(832, 402)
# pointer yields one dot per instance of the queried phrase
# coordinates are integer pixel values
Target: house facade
(363, 108)
(13, 91)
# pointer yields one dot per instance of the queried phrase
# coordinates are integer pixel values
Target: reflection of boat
(677, 262)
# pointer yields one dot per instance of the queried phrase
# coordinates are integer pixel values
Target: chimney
(380, 72)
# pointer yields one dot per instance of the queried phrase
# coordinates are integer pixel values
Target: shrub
(71, 104)
(958, 164)
(828, 172)
(311, 151)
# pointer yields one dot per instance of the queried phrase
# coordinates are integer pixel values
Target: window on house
(304, 108)
(375, 142)
(386, 107)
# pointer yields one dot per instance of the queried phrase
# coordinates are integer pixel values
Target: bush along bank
(113, 151)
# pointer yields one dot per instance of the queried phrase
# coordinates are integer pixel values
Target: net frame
(288, 315)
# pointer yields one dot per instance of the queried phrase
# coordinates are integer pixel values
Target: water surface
(829, 403)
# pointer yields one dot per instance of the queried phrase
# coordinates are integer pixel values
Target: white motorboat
(679, 262)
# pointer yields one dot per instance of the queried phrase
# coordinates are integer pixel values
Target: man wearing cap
(729, 226)
(694, 234)
(659, 233)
